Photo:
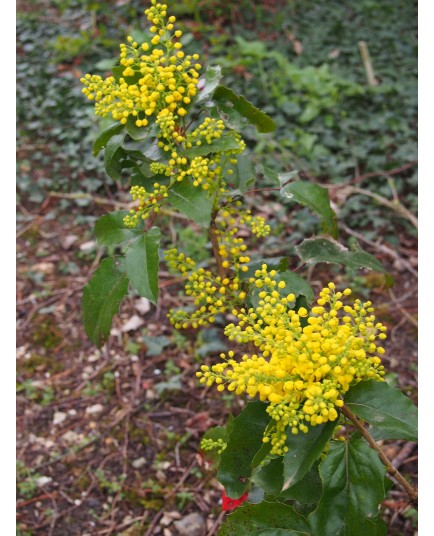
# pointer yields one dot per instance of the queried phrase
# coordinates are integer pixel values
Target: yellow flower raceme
(155, 80)
(306, 361)
(211, 294)
(148, 202)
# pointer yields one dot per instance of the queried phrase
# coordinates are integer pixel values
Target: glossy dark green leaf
(225, 97)
(303, 450)
(142, 262)
(270, 174)
(110, 229)
(244, 176)
(208, 83)
(216, 433)
(244, 443)
(104, 136)
(156, 154)
(353, 488)
(308, 490)
(317, 199)
(274, 263)
(231, 118)
(270, 476)
(265, 519)
(393, 415)
(138, 133)
(192, 201)
(217, 145)
(113, 155)
(315, 250)
(102, 297)
(295, 284)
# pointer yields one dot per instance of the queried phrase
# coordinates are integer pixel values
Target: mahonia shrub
(302, 454)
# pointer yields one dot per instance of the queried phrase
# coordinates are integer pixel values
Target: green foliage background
(298, 61)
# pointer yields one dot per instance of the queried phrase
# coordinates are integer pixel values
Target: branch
(215, 245)
(411, 492)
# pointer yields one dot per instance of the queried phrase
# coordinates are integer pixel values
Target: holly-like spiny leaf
(317, 199)
(208, 83)
(192, 201)
(217, 145)
(225, 97)
(142, 262)
(265, 519)
(102, 297)
(104, 136)
(245, 440)
(110, 229)
(316, 250)
(393, 415)
(113, 156)
(353, 488)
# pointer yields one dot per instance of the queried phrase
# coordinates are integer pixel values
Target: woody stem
(411, 492)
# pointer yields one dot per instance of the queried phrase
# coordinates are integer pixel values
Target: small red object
(229, 504)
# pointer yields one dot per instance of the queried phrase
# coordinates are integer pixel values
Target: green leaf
(113, 156)
(353, 487)
(303, 450)
(110, 229)
(244, 176)
(231, 118)
(192, 201)
(156, 154)
(138, 133)
(265, 519)
(393, 415)
(316, 199)
(208, 83)
(155, 345)
(308, 490)
(218, 145)
(244, 443)
(141, 264)
(295, 284)
(309, 113)
(216, 433)
(275, 263)
(104, 136)
(315, 250)
(271, 175)
(270, 476)
(225, 97)
(101, 299)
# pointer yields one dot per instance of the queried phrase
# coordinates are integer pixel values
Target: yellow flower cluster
(209, 130)
(257, 224)
(210, 444)
(155, 80)
(306, 361)
(211, 294)
(178, 262)
(232, 247)
(149, 202)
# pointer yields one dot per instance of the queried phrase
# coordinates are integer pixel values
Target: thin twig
(215, 245)
(216, 524)
(174, 490)
(408, 316)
